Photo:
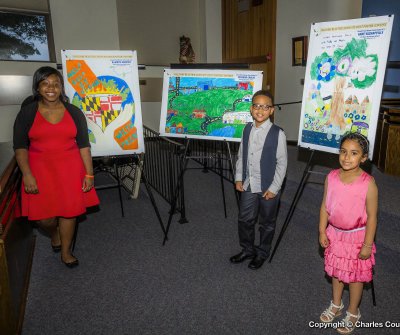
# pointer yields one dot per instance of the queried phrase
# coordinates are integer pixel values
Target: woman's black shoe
(71, 264)
(56, 248)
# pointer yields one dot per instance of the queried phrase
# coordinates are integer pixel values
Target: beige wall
(213, 31)
(294, 19)
(153, 28)
(84, 25)
(36, 5)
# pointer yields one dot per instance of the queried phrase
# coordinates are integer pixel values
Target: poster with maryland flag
(104, 85)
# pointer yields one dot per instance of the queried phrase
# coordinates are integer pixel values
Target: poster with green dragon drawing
(343, 82)
(207, 104)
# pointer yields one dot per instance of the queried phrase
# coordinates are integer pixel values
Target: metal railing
(162, 165)
(216, 156)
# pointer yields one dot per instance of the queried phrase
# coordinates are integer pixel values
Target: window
(26, 36)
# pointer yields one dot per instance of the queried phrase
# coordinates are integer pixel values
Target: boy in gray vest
(260, 171)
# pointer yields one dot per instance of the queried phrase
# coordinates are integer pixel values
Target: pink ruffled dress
(346, 207)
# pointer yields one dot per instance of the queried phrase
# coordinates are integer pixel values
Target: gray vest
(268, 155)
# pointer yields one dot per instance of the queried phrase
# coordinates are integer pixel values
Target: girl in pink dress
(347, 226)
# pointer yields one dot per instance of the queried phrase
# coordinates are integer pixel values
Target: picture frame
(299, 50)
(26, 36)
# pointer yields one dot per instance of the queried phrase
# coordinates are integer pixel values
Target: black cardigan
(26, 116)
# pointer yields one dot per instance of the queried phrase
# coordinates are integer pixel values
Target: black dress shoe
(256, 263)
(56, 248)
(239, 258)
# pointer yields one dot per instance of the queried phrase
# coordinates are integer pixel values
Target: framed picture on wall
(299, 50)
(26, 36)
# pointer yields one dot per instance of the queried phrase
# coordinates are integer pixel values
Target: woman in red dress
(52, 150)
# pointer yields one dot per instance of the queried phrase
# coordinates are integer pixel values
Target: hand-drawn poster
(207, 104)
(343, 81)
(105, 86)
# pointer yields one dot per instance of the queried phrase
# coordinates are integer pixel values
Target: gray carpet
(128, 283)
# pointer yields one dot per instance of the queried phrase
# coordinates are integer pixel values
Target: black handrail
(287, 103)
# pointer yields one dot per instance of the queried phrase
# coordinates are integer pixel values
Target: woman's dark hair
(359, 138)
(42, 74)
(264, 93)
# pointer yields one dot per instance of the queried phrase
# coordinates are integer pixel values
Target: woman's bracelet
(366, 245)
(89, 176)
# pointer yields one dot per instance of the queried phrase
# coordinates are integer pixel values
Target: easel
(179, 187)
(300, 188)
(112, 171)
(306, 173)
(135, 159)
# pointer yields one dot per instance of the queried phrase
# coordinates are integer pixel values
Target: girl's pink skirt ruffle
(341, 256)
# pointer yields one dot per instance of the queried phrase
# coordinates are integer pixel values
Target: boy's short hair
(264, 93)
(359, 138)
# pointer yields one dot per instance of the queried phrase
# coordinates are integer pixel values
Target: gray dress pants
(252, 207)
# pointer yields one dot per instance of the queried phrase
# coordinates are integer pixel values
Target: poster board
(207, 104)
(105, 86)
(343, 82)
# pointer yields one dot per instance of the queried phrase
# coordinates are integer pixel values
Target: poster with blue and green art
(343, 82)
(207, 104)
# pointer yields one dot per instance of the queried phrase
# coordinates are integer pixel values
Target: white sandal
(329, 315)
(349, 325)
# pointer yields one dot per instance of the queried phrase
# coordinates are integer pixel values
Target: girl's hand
(323, 240)
(239, 186)
(30, 184)
(88, 184)
(365, 252)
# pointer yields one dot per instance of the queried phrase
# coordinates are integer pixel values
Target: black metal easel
(179, 186)
(113, 173)
(296, 198)
(135, 160)
(104, 168)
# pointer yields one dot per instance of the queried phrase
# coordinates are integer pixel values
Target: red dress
(56, 163)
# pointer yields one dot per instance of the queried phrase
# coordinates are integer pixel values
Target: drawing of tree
(352, 61)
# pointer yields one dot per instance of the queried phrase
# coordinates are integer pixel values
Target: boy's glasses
(263, 107)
